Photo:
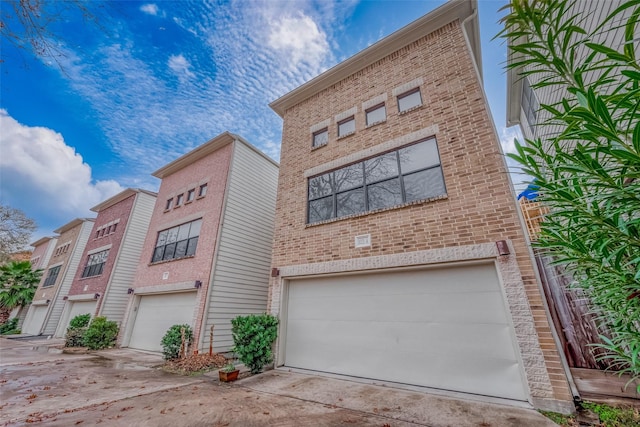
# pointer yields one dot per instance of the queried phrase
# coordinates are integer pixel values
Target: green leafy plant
(172, 341)
(75, 337)
(18, 284)
(80, 321)
(10, 327)
(615, 417)
(100, 334)
(588, 173)
(253, 337)
(229, 367)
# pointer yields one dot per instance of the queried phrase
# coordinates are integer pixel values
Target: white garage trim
(154, 314)
(508, 274)
(34, 322)
(72, 309)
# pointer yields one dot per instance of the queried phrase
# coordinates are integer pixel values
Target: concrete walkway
(121, 388)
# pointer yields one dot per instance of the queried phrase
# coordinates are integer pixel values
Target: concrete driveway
(38, 385)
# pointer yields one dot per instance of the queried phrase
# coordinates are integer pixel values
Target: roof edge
(73, 223)
(450, 11)
(41, 241)
(120, 197)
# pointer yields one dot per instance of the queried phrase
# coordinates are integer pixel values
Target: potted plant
(228, 373)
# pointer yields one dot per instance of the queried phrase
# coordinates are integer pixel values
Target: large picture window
(408, 174)
(52, 275)
(177, 242)
(95, 264)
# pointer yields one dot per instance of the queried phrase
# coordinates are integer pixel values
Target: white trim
(179, 221)
(100, 249)
(83, 297)
(372, 151)
(319, 126)
(406, 87)
(374, 101)
(169, 287)
(57, 264)
(346, 114)
(40, 302)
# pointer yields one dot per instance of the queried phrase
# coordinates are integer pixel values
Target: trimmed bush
(74, 337)
(253, 337)
(172, 341)
(80, 321)
(100, 334)
(10, 327)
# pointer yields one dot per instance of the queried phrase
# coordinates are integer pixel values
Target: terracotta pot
(228, 376)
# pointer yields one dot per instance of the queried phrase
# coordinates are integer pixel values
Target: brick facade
(478, 209)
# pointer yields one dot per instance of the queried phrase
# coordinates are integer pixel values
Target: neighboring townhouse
(46, 307)
(398, 254)
(206, 258)
(42, 250)
(110, 259)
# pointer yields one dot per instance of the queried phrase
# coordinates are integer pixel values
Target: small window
(113, 229)
(377, 114)
(101, 232)
(97, 234)
(347, 127)
(179, 199)
(409, 100)
(203, 190)
(191, 194)
(169, 204)
(320, 138)
(108, 230)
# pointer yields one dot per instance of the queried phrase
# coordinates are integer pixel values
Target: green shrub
(172, 341)
(74, 337)
(80, 321)
(253, 337)
(10, 327)
(100, 334)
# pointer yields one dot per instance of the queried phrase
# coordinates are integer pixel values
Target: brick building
(397, 239)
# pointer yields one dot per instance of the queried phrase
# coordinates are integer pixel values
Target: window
(408, 174)
(320, 138)
(177, 242)
(529, 103)
(95, 264)
(113, 227)
(376, 114)
(52, 275)
(97, 234)
(169, 204)
(191, 194)
(409, 100)
(203, 190)
(108, 230)
(347, 127)
(179, 199)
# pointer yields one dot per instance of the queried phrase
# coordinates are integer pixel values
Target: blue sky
(152, 80)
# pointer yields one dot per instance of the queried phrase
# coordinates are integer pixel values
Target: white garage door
(445, 328)
(35, 319)
(77, 308)
(156, 314)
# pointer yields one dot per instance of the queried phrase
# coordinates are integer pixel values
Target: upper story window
(52, 275)
(95, 264)
(346, 126)
(179, 199)
(113, 227)
(191, 194)
(530, 104)
(405, 175)
(377, 114)
(320, 138)
(409, 100)
(169, 204)
(177, 242)
(203, 190)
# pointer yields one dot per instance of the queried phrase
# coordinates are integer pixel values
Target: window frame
(365, 185)
(406, 95)
(190, 243)
(529, 103)
(371, 110)
(318, 133)
(344, 121)
(52, 276)
(93, 268)
(169, 204)
(191, 195)
(179, 199)
(202, 191)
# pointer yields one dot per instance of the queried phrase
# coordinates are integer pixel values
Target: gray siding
(240, 278)
(69, 274)
(124, 270)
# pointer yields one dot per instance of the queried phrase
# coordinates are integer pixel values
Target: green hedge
(253, 337)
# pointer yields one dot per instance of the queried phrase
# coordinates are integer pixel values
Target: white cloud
(298, 39)
(150, 9)
(508, 136)
(181, 67)
(39, 167)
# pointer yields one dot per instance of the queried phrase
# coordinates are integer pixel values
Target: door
(35, 319)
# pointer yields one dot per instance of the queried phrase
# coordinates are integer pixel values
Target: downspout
(563, 358)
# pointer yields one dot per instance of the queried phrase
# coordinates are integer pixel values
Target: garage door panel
(156, 314)
(34, 323)
(447, 328)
